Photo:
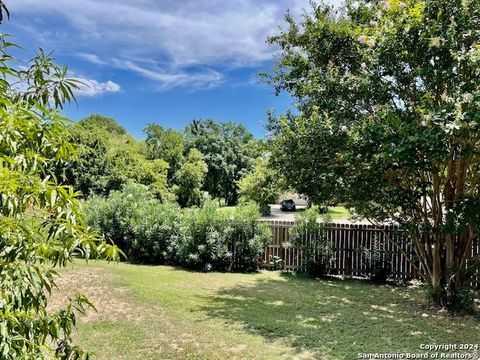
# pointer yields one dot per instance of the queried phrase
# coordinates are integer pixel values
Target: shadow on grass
(336, 318)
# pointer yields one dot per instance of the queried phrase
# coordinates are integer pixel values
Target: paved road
(279, 215)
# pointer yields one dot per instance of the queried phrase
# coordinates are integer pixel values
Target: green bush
(213, 237)
(204, 245)
(247, 236)
(116, 215)
(145, 229)
(203, 238)
(307, 234)
(265, 209)
(462, 301)
(156, 233)
(459, 301)
(378, 262)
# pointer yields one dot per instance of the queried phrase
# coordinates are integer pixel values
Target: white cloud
(189, 32)
(90, 87)
(206, 78)
(92, 58)
(175, 35)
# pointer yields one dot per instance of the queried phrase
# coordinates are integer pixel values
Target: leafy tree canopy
(262, 185)
(95, 122)
(229, 151)
(388, 97)
(189, 179)
(108, 157)
(166, 144)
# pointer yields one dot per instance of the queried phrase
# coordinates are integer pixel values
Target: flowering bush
(200, 238)
(402, 77)
(212, 237)
(145, 229)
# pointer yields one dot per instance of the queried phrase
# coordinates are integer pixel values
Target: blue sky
(163, 61)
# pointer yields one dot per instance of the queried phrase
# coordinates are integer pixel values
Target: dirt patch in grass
(111, 302)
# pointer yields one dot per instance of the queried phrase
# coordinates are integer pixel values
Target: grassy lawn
(161, 312)
(339, 213)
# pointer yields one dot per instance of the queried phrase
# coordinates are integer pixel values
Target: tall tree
(189, 179)
(262, 185)
(95, 122)
(388, 98)
(166, 144)
(229, 151)
(108, 156)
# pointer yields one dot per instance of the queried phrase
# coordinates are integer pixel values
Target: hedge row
(152, 232)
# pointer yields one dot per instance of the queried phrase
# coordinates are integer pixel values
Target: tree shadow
(338, 318)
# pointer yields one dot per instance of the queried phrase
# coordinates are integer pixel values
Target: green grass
(339, 213)
(160, 312)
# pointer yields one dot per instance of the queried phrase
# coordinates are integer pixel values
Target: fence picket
(347, 242)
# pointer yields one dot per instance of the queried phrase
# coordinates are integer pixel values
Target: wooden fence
(348, 242)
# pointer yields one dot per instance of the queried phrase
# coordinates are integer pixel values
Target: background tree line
(207, 157)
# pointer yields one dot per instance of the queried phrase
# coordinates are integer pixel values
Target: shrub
(247, 236)
(308, 235)
(200, 238)
(204, 245)
(265, 209)
(276, 262)
(141, 226)
(459, 301)
(156, 233)
(211, 237)
(462, 301)
(377, 262)
(115, 215)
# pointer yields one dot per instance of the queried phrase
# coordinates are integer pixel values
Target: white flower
(371, 42)
(467, 97)
(435, 42)
(344, 128)
(451, 126)
(424, 123)
(363, 65)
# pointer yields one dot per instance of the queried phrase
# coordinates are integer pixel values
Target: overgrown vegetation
(204, 238)
(309, 236)
(377, 261)
(142, 226)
